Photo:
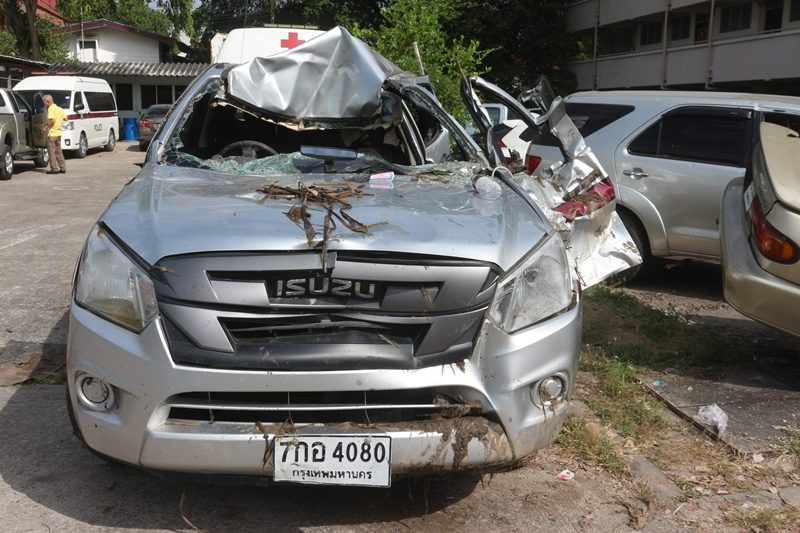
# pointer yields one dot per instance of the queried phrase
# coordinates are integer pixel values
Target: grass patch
(633, 332)
(793, 448)
(588, 445)
(618, 397)
(764, 519)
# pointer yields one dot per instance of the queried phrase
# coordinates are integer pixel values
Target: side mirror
(78, 107)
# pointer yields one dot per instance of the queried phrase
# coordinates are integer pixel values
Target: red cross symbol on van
(292, 41)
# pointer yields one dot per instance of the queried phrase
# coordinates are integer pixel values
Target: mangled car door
(575, 194)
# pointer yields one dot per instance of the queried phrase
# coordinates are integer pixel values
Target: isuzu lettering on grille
(325, 286)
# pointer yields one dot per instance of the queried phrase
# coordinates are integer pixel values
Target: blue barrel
(130, 129)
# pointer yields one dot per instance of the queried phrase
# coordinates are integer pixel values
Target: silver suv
(328, 281)
(670, 155)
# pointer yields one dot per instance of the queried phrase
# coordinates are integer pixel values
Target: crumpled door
(575, 194)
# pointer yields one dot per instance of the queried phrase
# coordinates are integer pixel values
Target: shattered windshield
(218, 134)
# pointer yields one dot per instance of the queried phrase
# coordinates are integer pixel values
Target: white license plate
(363, 460)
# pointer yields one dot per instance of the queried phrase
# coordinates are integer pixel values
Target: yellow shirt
(56, 114)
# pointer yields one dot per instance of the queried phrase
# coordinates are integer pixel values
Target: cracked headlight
(537, 288)
(111, 285)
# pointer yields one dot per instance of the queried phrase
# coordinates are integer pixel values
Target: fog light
(66, 141)
(549, 390)
(95, 393)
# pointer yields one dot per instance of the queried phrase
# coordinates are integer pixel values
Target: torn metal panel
(334, 78)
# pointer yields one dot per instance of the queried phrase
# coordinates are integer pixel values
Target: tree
(444, 56)
(179, 13)
(53, 42)
(33, 30)
(137, 13)
(529, 38)
(8, 42)
(76, 10)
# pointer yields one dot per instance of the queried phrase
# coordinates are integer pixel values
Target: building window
(735, 18)
(124, 93)
(773, 15)
(700, 28)
(179, 91)
(156, 94)
(794, 11)
(615, 40)
(680, 27)
(15, 76)
(650, 33)
(87, 51)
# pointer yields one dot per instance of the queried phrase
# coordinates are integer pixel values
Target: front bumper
(750, 289)
(503, 375)
(69, 139)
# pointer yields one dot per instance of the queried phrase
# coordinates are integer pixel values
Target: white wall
(114, 46)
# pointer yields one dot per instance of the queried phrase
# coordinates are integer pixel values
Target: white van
(88, 103)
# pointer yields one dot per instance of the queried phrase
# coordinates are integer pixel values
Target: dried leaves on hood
(328, 196)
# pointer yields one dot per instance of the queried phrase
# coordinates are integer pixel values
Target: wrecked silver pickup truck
(319, 277)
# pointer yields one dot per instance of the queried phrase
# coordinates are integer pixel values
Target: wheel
(7, 168)
(83, 146)
(43, 159)
(639, 237)
(249, 149)
(112, 141)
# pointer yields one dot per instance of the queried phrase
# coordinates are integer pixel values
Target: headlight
(538, 287)
(112, 286)
(67, 125)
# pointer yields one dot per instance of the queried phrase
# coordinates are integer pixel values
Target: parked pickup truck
(22, 131)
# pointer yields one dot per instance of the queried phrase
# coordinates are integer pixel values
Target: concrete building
(749, 46)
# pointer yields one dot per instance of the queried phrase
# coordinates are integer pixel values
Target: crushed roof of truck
(333, 80)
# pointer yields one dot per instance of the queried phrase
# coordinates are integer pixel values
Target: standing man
(55, 116)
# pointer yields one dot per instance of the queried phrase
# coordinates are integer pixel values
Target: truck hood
(169, 210)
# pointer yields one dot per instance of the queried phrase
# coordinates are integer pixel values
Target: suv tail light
(144, 123)
(772, 244)
(531, 163)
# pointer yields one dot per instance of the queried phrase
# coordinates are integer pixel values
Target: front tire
(112, 141)
(7, 166)
(43, 159)
(83, 146)
(639, 237)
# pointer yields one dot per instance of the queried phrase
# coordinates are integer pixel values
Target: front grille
(330, 407)
(321, 329)
(283, 312)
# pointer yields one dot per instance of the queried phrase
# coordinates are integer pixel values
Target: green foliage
(53, 43)
(179, 13)
(139, 14)
(8, 42)
(171, 19)
(620, 399)
(92, 9)
(528, 38)
(443, 57)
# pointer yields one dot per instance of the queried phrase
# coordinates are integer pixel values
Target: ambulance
(244, 44)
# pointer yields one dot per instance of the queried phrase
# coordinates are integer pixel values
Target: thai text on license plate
(363, 460)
